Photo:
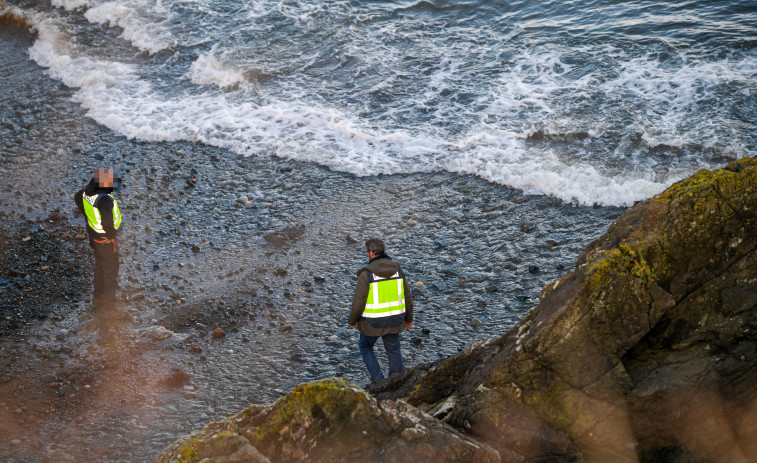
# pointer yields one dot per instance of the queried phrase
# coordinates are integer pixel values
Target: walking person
(103, 218)
(381, 308)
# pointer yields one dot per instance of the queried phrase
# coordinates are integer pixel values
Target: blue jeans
(393, 353)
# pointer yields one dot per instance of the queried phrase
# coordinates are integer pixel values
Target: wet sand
(264, 249)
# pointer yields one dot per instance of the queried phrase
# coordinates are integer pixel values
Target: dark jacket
(384, 267)
(104, 204)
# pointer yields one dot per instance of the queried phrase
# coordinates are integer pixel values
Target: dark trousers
(106, 273)
(393, 353)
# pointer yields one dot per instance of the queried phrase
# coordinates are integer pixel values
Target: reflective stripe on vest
(386, 296)
(93, 214)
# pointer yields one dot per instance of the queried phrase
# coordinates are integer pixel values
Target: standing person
(381, 308)
(100, 209)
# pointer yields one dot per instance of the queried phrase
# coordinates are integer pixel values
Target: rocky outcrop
(645, 352)
(333, 421)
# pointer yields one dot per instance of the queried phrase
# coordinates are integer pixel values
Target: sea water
(590, 102)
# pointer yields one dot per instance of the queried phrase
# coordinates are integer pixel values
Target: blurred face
(104, 178)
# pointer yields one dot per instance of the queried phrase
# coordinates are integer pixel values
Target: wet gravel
(238, 274)
(43, 270)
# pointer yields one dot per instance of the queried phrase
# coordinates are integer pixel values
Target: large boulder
(329, 421)
(645, 352)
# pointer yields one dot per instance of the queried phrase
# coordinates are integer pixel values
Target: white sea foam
(54, 50)
(70, 5)
(209, 70)
(143, 23)
(671, 96)
(543, 173)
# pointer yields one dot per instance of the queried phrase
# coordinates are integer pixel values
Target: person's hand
(408, 325)
(353, 326)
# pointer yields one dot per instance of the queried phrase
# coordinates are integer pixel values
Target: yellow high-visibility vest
(386, 296)
(93, 214)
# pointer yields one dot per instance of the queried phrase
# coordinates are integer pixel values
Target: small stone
(476, 322)
(218, 333)
(189, 388)
(44, 267)
(452, 298)
(16, 442)
(426, 331)
(156, 333)
(533, 269)
(462, 280)
(54, 385)
(49, 378)
(285, 329)
(418, 283)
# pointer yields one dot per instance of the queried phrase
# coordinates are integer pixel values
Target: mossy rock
(665, 300)
(329, 421)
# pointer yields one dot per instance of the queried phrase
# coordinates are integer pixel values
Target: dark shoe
(109, 311)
